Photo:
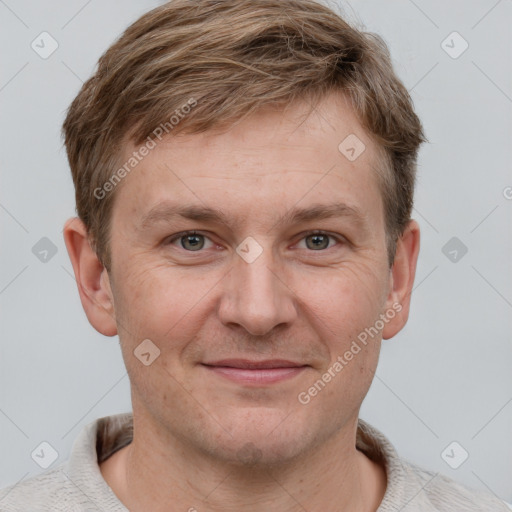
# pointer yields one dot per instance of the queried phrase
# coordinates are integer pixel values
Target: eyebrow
(166, 212)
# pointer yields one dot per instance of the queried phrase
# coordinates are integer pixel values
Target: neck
(167, 476)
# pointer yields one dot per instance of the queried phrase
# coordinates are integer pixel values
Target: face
(252, 259)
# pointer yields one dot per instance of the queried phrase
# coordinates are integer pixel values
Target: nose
(256, 297)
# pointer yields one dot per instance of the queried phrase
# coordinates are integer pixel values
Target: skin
(200, 440)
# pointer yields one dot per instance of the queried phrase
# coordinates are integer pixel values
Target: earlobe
(91, 277)
(402, 279)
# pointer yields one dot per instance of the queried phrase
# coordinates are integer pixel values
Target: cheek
(341, 312)
(159, 305)
(156, 302)
(344, 302)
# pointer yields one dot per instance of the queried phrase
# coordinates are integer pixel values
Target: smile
(255, 372)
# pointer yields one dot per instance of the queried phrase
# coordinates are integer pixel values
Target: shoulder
(412, 488)
(76, 485)
(437, 492)
(51, 490)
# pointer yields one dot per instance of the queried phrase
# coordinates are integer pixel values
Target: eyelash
(178, 236)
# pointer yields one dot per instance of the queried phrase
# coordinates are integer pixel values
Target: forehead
(272, 160)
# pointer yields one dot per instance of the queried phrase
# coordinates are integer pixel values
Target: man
(244, 175)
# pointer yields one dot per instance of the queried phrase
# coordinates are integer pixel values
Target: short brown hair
(232, 57)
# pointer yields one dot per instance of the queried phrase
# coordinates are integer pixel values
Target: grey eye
(192, 242)
(317, 241)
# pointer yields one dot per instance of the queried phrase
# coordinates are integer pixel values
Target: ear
(402, 279)
(91, 277)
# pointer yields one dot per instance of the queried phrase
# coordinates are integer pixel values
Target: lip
(255, 365)
(244, 371)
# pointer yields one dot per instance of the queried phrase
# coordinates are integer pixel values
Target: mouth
(243, 371)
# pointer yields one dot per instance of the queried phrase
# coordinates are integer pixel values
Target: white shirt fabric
(78, 486)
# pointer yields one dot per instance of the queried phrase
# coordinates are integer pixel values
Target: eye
(191, 241)
(318, 241)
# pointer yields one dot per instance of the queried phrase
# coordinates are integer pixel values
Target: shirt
(77, 485)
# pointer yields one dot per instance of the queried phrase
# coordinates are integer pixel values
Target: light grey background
(446, 377)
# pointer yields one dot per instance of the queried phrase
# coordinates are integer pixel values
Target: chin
(259, 453)
(263, 439)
